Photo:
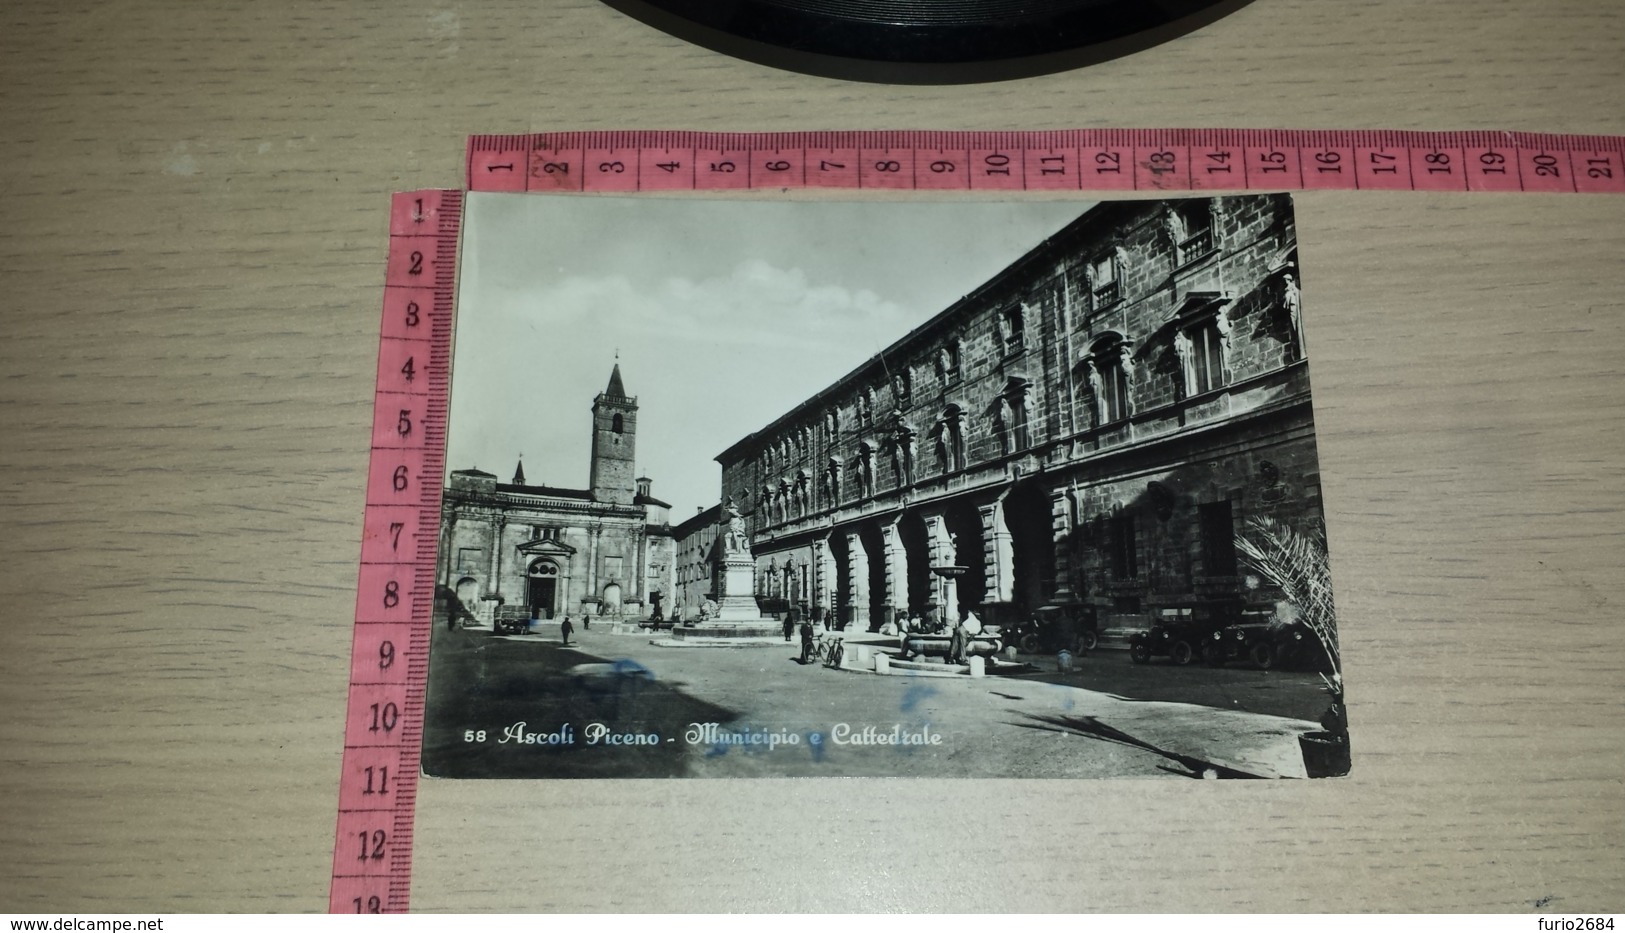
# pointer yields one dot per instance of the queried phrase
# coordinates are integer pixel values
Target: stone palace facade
(523, 551)
(1093, 426)
(696, 541)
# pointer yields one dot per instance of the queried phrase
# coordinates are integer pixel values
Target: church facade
(1093, 427)
(514, 550)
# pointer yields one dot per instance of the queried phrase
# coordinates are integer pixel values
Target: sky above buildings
(725, 314)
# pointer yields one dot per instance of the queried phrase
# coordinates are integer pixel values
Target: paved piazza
(549, 711)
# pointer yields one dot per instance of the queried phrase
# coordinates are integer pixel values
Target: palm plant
(1296, 563)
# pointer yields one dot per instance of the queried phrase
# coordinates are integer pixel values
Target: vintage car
(1177, 637)
(1055, 628)
(1252, 641)
(510, 620)
(1266, 645)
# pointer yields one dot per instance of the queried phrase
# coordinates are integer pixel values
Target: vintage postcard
(752, 488)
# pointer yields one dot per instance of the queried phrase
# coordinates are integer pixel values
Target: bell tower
(614, 440)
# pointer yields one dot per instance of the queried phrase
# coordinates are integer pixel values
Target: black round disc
(927, 41)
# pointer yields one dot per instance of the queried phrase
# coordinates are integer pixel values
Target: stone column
(828, 574)
(498, 523)
(818, 601)
(448, 541)
(857, 571)
(592, 565)
(998, 554)
(940, 547)
(640, 572)
(896, 557)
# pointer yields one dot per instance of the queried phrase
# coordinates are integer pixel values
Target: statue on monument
(734, 581)
(735, 540)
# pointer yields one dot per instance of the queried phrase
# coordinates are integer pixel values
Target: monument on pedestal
(731, 611)
(735, 583)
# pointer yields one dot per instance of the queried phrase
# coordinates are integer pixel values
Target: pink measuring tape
(1062, 160)
(372, 862)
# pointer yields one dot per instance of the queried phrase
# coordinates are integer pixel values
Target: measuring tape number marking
(1060, 160)
(389, 662)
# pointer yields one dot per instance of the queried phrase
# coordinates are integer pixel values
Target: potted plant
(1296, 563)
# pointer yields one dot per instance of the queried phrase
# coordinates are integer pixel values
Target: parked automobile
(1177, 638)
(1266, 645)
(1055, 628)
(511, 626)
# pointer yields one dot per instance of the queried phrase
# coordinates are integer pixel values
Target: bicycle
(831, 652)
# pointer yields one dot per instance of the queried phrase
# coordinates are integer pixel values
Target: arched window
(1105, 276)
(1013, 328)
(1204, 357)
(617, 424)
(1105, 372)
(1201, 342)
(1009, 412)
(1190, 226)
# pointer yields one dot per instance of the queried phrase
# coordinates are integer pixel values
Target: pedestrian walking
(565, 629)
(789, 624)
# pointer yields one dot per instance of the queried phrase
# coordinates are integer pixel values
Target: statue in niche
(1291, 303)
(1174, 226)
(1097, 389)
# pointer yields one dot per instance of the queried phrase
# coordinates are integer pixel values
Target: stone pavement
(985, 727)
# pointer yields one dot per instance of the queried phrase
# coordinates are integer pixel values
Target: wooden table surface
(191, 256)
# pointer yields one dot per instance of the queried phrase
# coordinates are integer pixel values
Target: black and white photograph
(768, 488)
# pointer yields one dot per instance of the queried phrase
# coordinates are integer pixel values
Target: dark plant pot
(1325, 754)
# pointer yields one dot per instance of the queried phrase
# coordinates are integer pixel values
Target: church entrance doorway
(542, 589)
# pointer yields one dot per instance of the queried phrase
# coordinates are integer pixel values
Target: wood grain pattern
(194, 226)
